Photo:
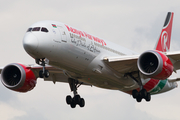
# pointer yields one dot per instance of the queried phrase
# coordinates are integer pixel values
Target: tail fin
(163, 44)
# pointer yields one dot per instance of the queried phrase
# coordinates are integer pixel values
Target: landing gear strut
(76, 100)
(143, 92)
(42, 73)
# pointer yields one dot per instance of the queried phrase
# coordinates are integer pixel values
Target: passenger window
(36, 29)
(29, 30)
(44, 29)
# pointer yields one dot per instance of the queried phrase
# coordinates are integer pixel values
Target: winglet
(163, 44)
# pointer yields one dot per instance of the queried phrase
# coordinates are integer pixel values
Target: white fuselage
(79, 54)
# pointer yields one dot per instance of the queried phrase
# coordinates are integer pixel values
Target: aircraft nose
(30, 42)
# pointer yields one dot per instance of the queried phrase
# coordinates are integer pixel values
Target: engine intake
(18, 77)
(154, 64)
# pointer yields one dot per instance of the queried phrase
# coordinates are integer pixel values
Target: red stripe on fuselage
(151, 84)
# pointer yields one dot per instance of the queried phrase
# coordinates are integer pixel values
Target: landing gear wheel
(77, 99)
(143, 93)
(73, 104)
(46, 73)
(82, 102)
(68, 99)
(41, 74)
(139, 97)
(148, 97)
(135, 93)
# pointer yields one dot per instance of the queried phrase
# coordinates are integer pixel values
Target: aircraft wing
(56, 75)
(123, 64)
(175, 59)
(127, 64)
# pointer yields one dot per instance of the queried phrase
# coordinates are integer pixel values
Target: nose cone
(30, 43)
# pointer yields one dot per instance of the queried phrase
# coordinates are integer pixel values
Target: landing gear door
(63, 34)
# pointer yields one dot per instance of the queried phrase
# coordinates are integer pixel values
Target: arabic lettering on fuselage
(84, 34)
(78, 42)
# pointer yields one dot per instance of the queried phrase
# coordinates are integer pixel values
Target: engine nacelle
(18, 77)
(154, 64)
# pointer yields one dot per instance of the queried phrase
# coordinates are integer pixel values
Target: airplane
(63, 53)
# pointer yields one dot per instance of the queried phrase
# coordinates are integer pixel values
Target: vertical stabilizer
(163, 43)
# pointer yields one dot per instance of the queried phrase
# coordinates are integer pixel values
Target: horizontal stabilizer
(173, 79)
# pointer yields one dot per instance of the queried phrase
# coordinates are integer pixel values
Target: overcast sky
(135, 24)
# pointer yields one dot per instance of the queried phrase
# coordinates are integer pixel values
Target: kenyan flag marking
(54, 25)
(159, 86)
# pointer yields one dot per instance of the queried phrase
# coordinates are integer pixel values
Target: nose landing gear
(76, 100)
(43, 73)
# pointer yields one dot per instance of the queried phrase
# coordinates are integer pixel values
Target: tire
(77, 99)
(143, 93)
(134, 93)
(46, 73)
(82, 102)
(139, 97)
(148, 97)
(41, 74)
(73, 104)
(68, 99)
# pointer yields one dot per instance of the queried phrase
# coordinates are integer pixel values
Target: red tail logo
(163, 43)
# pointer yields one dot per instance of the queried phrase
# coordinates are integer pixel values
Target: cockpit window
(29, 29)
(44, 29)
(36, 29)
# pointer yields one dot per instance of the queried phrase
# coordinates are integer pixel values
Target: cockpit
(42, 29)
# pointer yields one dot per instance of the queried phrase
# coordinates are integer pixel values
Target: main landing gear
(42, 73)
(76, 100)
(139, 95)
